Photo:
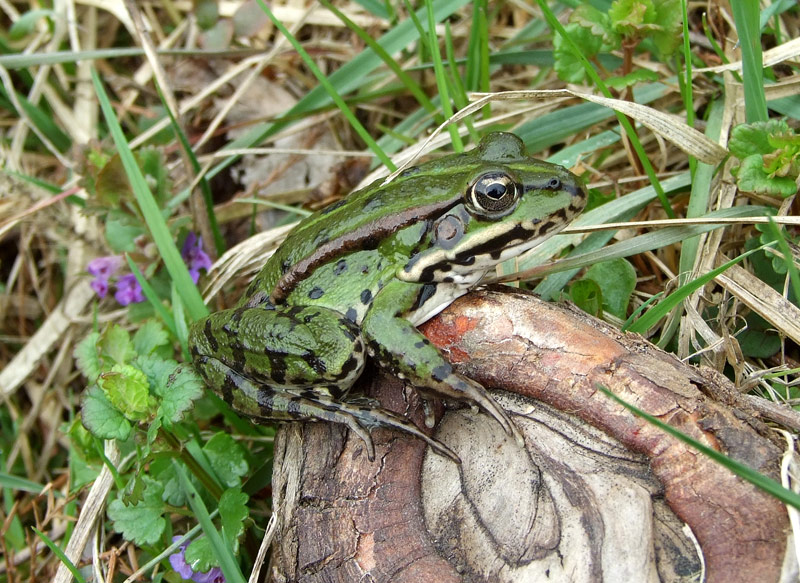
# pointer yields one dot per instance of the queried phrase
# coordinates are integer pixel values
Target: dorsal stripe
(367, 236)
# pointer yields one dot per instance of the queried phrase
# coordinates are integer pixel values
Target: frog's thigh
(294, 347)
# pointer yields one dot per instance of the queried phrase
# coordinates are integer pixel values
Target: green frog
(355, 279)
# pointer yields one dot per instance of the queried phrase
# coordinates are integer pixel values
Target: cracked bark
(596, 495)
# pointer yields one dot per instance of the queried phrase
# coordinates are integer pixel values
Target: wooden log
(597, 494)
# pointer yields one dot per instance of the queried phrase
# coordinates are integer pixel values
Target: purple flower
(213, 575)
(104, 267)
(128, 290)
(100, 287)
(194, 256)
(178, 562)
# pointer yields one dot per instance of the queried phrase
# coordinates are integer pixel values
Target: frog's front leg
(399, 347)
(290, 364)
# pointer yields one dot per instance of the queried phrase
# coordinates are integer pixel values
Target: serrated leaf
(629, 17)
(128, 390)
(754, 138)
(101, 418)
(115, 343)
(752, 177)
(669, 16)
(200, 556)
(87, 357)
(226, 458)
(122, 231)
(163, 470)
(617, 280)
(141, 523)
(134, 491)
(112, 185)
(233, 512)
(569, 67)
(183, 388)
(597, 23)
(150, 336)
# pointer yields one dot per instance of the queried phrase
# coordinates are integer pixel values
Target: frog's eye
(493, 194)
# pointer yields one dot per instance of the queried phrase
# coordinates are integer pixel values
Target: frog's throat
(367, 236)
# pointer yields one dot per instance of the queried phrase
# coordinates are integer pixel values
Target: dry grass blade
(762, 299)
(25, 362)
(670, 127)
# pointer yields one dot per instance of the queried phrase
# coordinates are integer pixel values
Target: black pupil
(555, 183)
(496, 190)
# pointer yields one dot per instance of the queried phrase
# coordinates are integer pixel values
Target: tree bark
(597, 494)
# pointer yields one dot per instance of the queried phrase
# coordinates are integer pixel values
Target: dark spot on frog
(349, 332)
(294, 407)
(365, 269)
(409, 172)
(316, 293)
(545, 228)
(349, 366)
(448, 279)
(372, 204)
(366, 297)
(332, 207)
(427, 292)
(351, 315)
(286, 265)
(440, 373)
(422, 343)
(317, 364)
(228, 386)
(210, 337)
(340, 267)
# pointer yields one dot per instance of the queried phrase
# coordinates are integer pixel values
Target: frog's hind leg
(293, 404)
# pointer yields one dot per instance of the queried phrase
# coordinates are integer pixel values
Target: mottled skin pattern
(356, 278)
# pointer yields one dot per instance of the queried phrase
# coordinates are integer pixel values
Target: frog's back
(361, 221)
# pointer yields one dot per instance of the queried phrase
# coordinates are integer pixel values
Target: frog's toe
(476, 393)
(374, 417)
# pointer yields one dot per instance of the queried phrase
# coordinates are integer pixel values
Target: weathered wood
(596, 495)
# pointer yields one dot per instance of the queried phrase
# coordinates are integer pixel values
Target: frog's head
(509, 203)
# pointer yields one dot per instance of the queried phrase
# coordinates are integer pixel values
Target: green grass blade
(330, 89)
(227, 562)
(205, 188)
(152, 296)
(387, 59)
(60, 554)
(23, 485)
(441, 78)
(747, 473)
(347, 78)
(651, 317)
(152, 215)
(746, 17)
(623, 121)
